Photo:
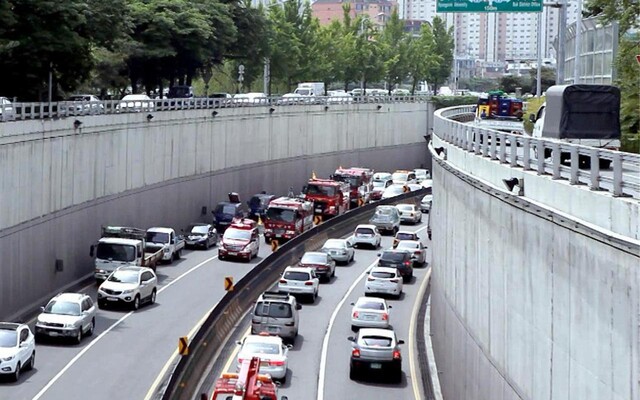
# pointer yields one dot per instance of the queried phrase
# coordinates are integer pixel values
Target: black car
(402, 260)
(258, 204)
(226, 211)
(201, 235)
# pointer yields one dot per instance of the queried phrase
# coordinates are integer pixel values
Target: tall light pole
(562, 34)
(539, 57)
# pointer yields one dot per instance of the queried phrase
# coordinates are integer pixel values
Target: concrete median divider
(185, 378)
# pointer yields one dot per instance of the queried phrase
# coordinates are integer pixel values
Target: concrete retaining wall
(528, 303)
(58, 184)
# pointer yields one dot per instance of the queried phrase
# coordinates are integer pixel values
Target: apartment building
(378, 11)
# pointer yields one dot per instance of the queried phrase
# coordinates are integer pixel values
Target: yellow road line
(234, 354)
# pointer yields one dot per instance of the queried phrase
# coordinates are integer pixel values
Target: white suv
(70, 315)
(17, 349)
(129, 285)
(366, 234)
(299, 281)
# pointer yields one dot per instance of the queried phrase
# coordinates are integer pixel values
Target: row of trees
(106, 46)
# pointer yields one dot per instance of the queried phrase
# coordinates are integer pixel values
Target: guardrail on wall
(25, 111)
(623, 179)
(183, 384)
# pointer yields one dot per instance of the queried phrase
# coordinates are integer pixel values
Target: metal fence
(26, 111)
(621, 179)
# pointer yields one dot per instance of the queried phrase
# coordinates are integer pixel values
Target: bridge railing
(27, 111)
(620, 172)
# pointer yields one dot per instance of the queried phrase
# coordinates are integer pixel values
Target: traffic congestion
(132, 272)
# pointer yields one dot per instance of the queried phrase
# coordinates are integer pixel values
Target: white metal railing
(621, 177)
(27, 111)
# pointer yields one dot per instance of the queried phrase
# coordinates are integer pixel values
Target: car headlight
(69, 325)
(127, 291)
(167, 250)
(101, 271)
(8, 358)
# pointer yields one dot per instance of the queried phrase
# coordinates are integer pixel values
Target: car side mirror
(379, 254)
(400, 341)
(42, 309)
(239, 343)
(289, 347)
(92, 250)
(351, 339)
(353, 304)
(532, 118)
(284, 398)
(390, 307)
(23, 344)
(298, 306)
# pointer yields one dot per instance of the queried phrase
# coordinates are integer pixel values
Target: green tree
(393, 48)
(444, 49)
(421, 59)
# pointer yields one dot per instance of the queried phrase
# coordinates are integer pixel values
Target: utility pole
(539, 56)
(562, 34)
(576, 58)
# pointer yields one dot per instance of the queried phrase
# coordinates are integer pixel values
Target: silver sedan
(341, 250)
(417, 250)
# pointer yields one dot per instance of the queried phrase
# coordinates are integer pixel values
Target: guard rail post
(617, 175)
(503, 148)
(556, 158)
(575, 166)
(540, 156)
(595, 169)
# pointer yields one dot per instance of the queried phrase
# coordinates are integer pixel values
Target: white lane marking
(327, 335)
(167, 365)
(325, 341)
(118, 322)
(412, 328)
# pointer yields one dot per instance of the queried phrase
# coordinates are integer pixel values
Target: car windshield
(335, 243)
(297, 276)
(392, 256)
(124, 277)
(116, 252)
(200, 230)
(422, 173)
(62, 308)
(405, 236)
(237, 234)
(79, 98)
(304, 92)
(378, 184)
(227, 209)
(370, 305)
(8, 338)
(261, 348)
(364, 231)
(383, 274)
(320, 189)
(353, 181)
(407, 245)
(376, 341)
(394, 190)
(400, 177)
(314, 258)
(405, 207)
(274, 310)
(157, 237)
(281, 214)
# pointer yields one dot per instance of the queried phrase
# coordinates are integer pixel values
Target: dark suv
(402, 260)
(226, 211)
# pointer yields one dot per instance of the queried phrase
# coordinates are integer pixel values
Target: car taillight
(276, 363)
(355, 314)
(255, 321)
(418, 251)
(240, 360)
(289, 323)
(397, 355)
(356, 353)
(283, 281)
(308, 283)
(385, 317)
(371, 279)
(393, 280)
(407, 263)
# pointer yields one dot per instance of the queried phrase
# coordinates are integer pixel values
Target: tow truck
(240, 239)
(360, 183)
(248, 384)
(329, 197)
(286, 218)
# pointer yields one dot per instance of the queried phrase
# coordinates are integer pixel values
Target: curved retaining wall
(529, 302)
(58, 184)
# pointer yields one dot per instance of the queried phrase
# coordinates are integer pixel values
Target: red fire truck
(247, 384)
(330, 198)
(360, 182)
(286, 218)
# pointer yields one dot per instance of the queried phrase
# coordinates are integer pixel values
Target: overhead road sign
(444, 6)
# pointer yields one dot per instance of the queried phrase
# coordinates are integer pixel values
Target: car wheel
(153, 297)
(102, 305)
(283, 380)
(206, 245)
(16, 375)
(92, 327)
(333, 274)
(78, 338)
(136, 302)
(32, 361)
(354, 328)
(397, 375)
(353, 374)
(352, 258)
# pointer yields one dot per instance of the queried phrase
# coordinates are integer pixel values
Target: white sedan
(394, 190)
(271, 351)
(409, 213)
(135, 103)
(17, 349)
(370, 312)
(368, 235)
(341, 250)
(383, 280)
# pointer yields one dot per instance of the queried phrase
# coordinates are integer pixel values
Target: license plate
(112, 298)
(273, 329)
(318, 209)
(54, 333)
(369, 317)
(278, 235)
(233, 253)
(376, 366)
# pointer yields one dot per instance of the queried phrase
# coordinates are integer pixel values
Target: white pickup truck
(122, 246)
(168, 241)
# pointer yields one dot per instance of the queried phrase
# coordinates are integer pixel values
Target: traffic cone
(313, 174)
(259, 220)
